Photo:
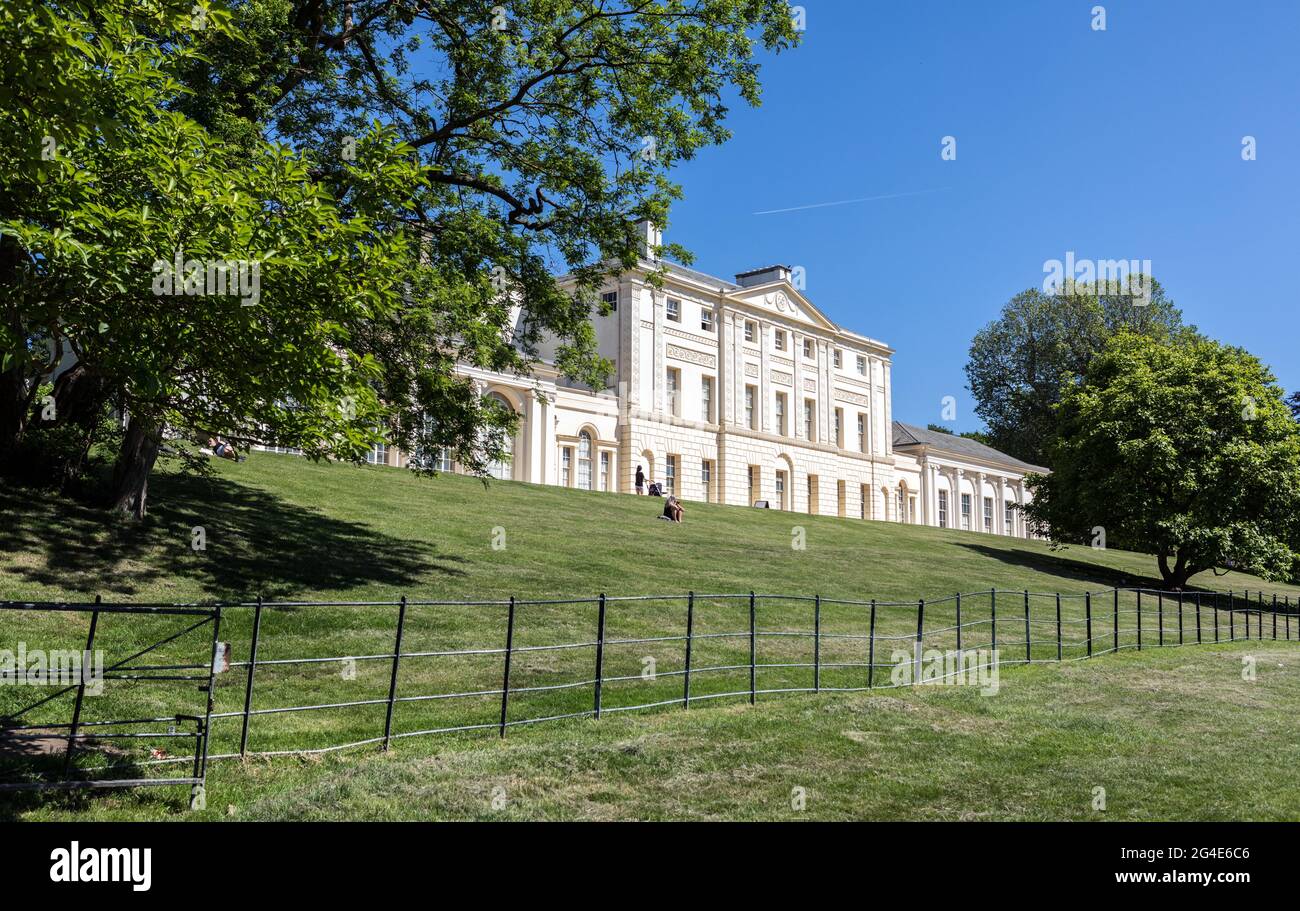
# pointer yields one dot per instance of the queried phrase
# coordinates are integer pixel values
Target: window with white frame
(751, 416)
(898, 506)
(943, 509)
(862, 433)
(751, 330)
(965, 512)
(780, 414)
(865, 501)
(809, 419)
(604, 471)
(839, 427)
(674, 383)
(988, 514)
(809, 350)
(862, 364)
(584, 460)
(378, 454)
(674, 310)
(443, 461)
(706, 319)
(779, 339)
(566, 466)
(1009, 518)
(780, 490)
(837, 358)
(706, 398)
(706, 478)
(670, 474)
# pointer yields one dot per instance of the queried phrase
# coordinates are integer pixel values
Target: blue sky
(1119, 144)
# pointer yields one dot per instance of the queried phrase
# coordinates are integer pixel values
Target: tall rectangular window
(706, 398)
(566, 466)
(610, 300)
(670, 474)
(839, 427)
(943, 509)
(899, 514)
(674, 382)
(780, 490)
(862, 433)
(706, 479)
(862, 365)
(674, 310)
(378, 454)
(751, 415)
(1009, 519)
(751, 329)
(809, 420)
(706, 319)
(809, 349)
(779, 339)
(865, 503)
(604, 471)
(837, 358)
(965, 512)
(780, 414)
(443, 460)
(988, 514)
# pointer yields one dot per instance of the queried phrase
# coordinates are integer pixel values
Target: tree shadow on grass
(1073, 569)
(254, 543)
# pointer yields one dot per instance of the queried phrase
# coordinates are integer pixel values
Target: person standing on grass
(640, 480)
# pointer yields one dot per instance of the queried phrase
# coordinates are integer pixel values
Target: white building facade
(742, 391)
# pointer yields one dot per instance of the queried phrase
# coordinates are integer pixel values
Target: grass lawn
(1163, 731)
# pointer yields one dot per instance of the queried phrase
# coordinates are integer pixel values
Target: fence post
(1029, 657)
(1058, 626)
(871, 646)
(1116, 620)
(817, 644)
(392, 683)
(510, 649)
(1160, 616)
(87, 660)
(1198, 618)
(1259, 614)
(1232, 619)
(959, 624)
(197, 796)
(993, 622)
(920, 633)
(1274, 615)
(600, 652)
(252, 668)
(1180, 618)
(1216, 616)
(753, 650)
(1087, 606)
(1139, 608)
(690, 635)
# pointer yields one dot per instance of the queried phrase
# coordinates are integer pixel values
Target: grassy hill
(286, 529)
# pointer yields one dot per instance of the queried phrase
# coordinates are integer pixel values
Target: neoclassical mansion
(744, 392)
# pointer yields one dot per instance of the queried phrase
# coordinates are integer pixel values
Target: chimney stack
(650, 237)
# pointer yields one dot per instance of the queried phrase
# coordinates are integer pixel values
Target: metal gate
(156, 695)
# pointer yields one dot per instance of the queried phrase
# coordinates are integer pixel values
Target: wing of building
(743, 391)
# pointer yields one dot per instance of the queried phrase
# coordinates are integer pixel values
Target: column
(958, 475)
(796, 380)
(764, 380)
(658, 379)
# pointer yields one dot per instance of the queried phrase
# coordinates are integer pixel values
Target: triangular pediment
(782, 299)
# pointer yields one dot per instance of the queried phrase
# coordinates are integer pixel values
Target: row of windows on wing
(1008, 516)
(673, 311)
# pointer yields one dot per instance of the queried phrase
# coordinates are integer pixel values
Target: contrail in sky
(845, 202)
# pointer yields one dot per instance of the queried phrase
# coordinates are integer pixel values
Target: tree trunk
(134, 463)
(16, 393)
(1176, 578)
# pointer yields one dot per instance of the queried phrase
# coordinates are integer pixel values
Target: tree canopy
(1185, 450)
(1018, 362)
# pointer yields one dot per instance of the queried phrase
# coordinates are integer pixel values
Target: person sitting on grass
(672, 509)
(223, 450)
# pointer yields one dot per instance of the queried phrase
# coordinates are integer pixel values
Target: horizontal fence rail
(278, 686)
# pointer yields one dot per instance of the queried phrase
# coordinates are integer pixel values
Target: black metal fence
(265, 673)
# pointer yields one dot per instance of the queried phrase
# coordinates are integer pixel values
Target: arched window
(503, 468)
(584, 460)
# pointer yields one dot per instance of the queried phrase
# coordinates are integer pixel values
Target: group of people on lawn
(672, 506)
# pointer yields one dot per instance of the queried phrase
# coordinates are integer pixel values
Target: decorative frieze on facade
(780, 376)
(853, 398)
(692, 357)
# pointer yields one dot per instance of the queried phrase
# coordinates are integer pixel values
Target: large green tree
(1186, 451)
(1018, 362)
(518, 140)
